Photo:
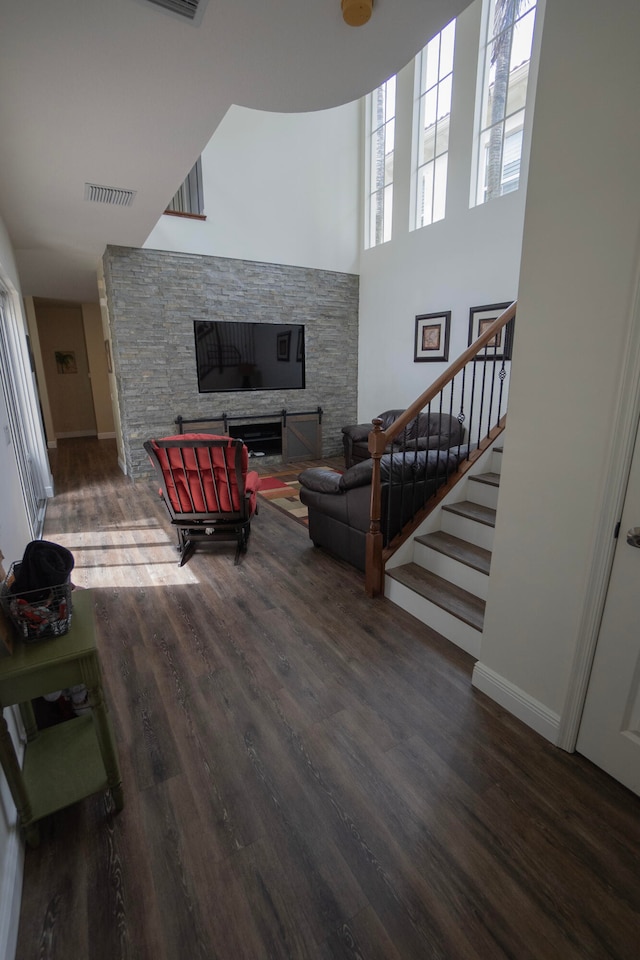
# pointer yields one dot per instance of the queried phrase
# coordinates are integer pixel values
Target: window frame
(478, 186)
(418, 220)
(188, 200)
(378, 228)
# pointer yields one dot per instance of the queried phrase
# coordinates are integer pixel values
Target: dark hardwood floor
(307, 773)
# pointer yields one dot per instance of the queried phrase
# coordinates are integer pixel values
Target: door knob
(633, 537)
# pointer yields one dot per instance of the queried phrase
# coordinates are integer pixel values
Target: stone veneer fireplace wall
(153, 297)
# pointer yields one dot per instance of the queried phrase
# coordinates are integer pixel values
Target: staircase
(445, 584)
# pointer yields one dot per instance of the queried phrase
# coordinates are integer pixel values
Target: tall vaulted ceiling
(122, 93)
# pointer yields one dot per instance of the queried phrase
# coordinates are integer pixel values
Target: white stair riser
(458, 632)
(473, 581)
(467, 529)
(484, 493)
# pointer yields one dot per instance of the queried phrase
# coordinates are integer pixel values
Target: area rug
(283, 492)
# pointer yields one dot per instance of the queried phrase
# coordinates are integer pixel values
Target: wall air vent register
(185, 8)
(116, 196)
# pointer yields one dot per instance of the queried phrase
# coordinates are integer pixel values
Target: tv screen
(249, 356)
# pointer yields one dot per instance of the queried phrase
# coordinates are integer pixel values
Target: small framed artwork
(499, 347)
(432, 337)
(284, 346)
(66, 361)
(107, 351)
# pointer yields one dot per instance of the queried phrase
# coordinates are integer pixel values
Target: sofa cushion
(434, 442)
(403, 465)
(359, 475)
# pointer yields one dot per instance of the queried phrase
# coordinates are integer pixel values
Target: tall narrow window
(507, 55)
(434, 79)
(189, 198)
(381, 117)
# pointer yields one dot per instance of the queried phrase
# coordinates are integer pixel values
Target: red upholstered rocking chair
(207, 488)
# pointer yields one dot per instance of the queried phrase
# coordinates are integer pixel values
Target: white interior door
(610, 727)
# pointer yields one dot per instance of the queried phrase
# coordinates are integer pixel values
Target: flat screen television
(248, 356)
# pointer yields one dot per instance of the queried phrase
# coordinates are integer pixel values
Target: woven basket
(36, 614)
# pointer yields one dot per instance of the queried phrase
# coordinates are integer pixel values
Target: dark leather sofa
(427, 431)
(339, 504)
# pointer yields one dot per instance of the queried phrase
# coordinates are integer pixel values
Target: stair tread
(492, 479)
(461, 550)
(474, 511)
(456, 601)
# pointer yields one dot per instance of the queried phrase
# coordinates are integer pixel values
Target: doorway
(66, 368)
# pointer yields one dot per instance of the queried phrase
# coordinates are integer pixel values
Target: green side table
(73, 759)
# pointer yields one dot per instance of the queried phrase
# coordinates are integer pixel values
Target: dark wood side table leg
(18, 790)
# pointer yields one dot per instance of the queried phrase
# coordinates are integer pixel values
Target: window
(381, 112)
(189, 199)
(17, 386)
(434, 79)
(506, 57)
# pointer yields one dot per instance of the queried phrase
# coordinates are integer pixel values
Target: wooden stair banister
(376, 553)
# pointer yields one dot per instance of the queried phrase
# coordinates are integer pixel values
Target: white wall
(577, 282)
(278, 188)
(14, 535)
(470, 258)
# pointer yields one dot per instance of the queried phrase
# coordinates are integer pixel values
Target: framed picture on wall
(432, 337)
(480, 318)
(66, 361)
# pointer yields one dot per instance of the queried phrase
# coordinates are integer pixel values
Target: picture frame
(283, 347)
(66, 361)
(482, 317)
(432, 337)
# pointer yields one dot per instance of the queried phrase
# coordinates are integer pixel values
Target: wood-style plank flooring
(307, 773)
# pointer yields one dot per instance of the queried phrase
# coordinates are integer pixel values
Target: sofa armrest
(358, 431)
(321, 480)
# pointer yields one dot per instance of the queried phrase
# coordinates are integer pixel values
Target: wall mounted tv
(249, 356)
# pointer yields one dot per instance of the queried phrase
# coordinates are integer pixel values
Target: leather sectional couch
(339, 503)
(427, 431)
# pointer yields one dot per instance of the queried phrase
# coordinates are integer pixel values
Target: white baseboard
(122, 466)
(107, 436)
(517, 702)
(52, 444)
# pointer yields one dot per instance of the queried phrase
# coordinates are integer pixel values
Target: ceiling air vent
(116, 196)
(186, 8)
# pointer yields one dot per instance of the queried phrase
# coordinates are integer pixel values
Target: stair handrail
(379, 439)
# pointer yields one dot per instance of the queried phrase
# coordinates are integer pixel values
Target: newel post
(374, 569)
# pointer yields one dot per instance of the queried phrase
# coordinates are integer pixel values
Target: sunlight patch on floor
(138, 556)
